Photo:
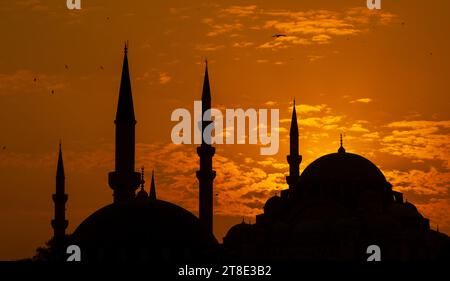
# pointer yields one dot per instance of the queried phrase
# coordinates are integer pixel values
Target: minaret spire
(294, 126)
(59, 222)
(206, 93)
(125, 109)
(60, 166)
(294, 158)
(152, 195)
(206, 174)
(125, 180)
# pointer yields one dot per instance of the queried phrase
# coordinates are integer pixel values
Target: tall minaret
(206, 174)
(59, 223)
(294, 159)
(124, 180)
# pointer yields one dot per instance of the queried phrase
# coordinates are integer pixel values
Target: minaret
(206, 174)
(59, 223)
(152, 194)
(294, 159)
(124, 180)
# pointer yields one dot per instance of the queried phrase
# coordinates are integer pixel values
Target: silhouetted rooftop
(155, 227)
(342, 168)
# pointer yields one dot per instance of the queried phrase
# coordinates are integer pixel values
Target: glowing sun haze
(380, 77)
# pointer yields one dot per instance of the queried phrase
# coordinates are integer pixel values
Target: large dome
(342, 167)
(143, 230)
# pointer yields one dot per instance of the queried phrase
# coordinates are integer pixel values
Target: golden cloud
(362, 100)
(242, 44)
(241, 11)
(431, 182)
(164, 78)
(301, 27)
(419, 139)
(208, 47)
(358, 128)
(307, 108)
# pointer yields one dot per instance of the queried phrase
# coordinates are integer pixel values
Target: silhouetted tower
(59, 223)
(152, 195)
(124, 180)
(206, 174)
(294, 158)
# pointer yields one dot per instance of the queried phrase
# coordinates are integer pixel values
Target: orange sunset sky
(381, 77)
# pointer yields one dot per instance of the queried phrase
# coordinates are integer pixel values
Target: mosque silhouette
(339, 206)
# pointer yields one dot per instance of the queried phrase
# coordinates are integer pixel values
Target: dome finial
(126, 47)
(341, 148)
(142, 194)
(142, 177)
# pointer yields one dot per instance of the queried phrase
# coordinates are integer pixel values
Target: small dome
(239, 231)
(341, 168)
(273, 205)
(157, 229)
(142, 194)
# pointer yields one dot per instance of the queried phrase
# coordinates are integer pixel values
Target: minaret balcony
(58, 197)
(206, 175)
(294, 159)
(206, 150)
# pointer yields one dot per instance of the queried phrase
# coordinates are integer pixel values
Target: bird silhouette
(34, 79)
(66, 66)
(53, 91)
(101, 67)
(279, 35)
(4, 147)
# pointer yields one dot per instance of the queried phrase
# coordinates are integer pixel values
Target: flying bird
(53, 91)
(279, 35)
(66, 66)
(101, 67)
(4, 147)
(35, 79)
